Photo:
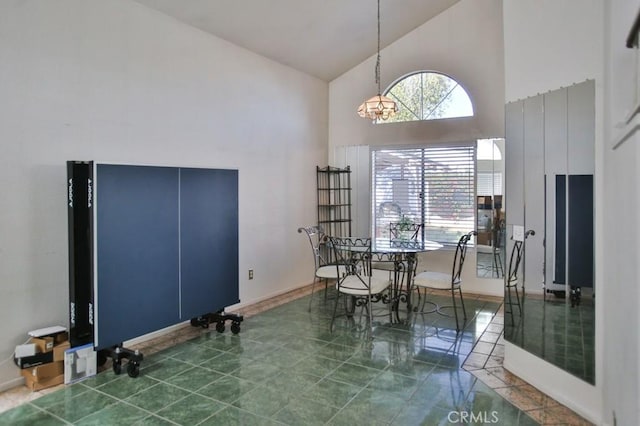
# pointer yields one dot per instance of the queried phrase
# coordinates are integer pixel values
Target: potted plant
(405, 228)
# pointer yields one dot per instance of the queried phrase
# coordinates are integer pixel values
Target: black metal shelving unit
(334, 200)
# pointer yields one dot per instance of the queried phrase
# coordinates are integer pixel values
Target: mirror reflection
(549, 283)
(490, 214)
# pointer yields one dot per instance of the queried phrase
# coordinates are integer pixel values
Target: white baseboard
(10, 384)
(155, 334)
(243, 305)
(578, 395)
(236, 307)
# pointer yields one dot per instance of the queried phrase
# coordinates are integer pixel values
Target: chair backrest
(356, 254)
(514, 262)
(398, 230)
(515, 258)
(317, 239)
(461, 253)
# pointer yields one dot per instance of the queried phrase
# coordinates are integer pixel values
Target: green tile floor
(286, 367)
(557, 332)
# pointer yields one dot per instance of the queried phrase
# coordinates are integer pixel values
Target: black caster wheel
(235, 327)
(133, 369)
(220, 327)
(200, 322)
(117, 366)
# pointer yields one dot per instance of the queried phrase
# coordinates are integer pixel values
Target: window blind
(489, 183)
(432, 185)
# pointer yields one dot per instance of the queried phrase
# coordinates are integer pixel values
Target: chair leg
(510, 312)
(464, 311)
(424, 300)
(497, 263)
(418, 308)
(455, 309)
(518, 300)
(313, 287)
(335, 309)
(370, 314)
(326, 288)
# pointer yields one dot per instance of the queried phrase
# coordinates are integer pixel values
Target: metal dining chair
(358, 284)
(442, 281)
(512, 280)
(399, 232)
(325, 268)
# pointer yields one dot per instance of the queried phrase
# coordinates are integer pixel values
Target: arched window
(428, 95)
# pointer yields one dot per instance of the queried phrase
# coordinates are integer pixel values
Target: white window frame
(404, 191)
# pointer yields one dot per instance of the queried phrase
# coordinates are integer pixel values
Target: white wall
(621, 352)
(550, 44)
(464, 42)
(116, 82)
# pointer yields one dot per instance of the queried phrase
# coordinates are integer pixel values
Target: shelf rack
(334, 200)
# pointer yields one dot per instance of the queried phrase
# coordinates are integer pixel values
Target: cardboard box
(59, 350)
(44, 376)
(36, 386)
(484, 202)
(483, 238)
(43, 344)
(60, 338)
(44, 371)
(79, 363)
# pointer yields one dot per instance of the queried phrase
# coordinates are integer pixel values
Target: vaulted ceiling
(322, 38)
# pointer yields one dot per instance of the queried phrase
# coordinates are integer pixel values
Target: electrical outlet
(250, 274)
(518, 233)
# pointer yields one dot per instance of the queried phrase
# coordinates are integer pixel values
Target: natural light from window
(488, 150)
(429, 185)
(429, 96)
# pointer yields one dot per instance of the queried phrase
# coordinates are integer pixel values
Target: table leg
(411, 268)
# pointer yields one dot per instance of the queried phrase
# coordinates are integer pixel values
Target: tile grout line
(509, 395)
(179, 336)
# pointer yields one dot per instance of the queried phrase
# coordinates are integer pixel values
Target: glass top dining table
(396, 245)
(402, 254)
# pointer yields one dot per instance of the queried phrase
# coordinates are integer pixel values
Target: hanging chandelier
(378, 107)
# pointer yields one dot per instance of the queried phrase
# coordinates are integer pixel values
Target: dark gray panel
(209, 240)
(581, 250)
(137, 251)
(560, 240)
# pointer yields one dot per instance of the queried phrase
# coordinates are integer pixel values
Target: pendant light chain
(378, 107)
(378, 58)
